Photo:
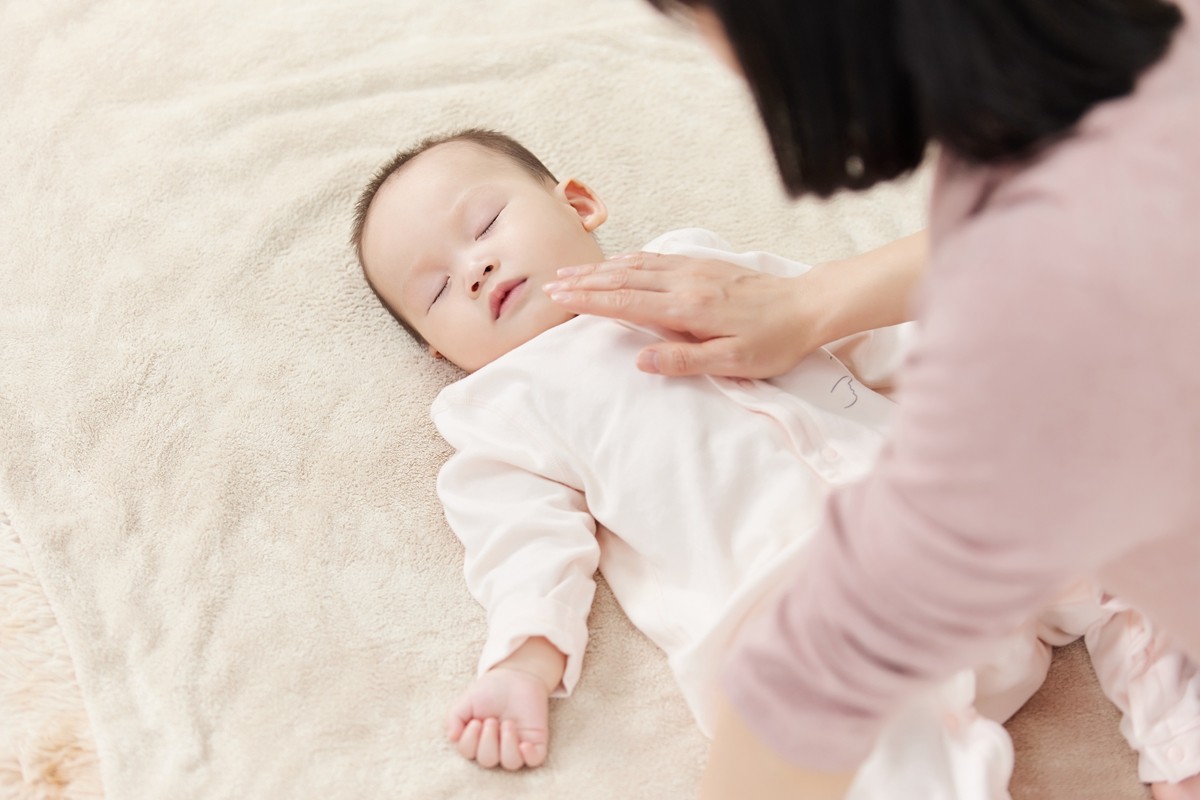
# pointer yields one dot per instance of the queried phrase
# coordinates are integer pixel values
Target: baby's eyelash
(441, 290)
(490, 224)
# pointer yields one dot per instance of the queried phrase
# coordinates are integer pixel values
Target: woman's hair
(851, 91)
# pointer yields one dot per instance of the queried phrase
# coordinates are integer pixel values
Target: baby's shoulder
(578, 362)
(684, 241)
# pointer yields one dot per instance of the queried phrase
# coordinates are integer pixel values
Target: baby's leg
(938, 748)
(1014, 671)
(1016, 668)
(1157, 690)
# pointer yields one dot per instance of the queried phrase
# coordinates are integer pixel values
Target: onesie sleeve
(531, 549)
(1157, 689)
(1037, 438)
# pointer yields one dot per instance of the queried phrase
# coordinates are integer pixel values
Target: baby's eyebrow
(458, 210)
(410, 276)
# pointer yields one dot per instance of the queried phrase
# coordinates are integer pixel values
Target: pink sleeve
(1038, 438)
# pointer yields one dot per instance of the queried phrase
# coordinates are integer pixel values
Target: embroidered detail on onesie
(850, 386)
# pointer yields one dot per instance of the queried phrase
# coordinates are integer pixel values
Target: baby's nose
(475, 286)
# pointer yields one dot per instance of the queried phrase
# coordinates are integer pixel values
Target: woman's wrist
(819, 302)
(868, 291)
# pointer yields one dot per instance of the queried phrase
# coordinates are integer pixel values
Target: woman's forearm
(866, 291)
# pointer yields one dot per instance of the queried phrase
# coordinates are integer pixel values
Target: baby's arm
(502, 719)
(531, 555)
(1157, 689)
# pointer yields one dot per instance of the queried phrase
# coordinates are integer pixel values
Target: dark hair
(495, 141)
(851, 91)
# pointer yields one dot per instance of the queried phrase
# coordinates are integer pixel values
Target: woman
(1050, 421)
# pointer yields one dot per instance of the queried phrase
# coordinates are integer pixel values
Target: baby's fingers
(534, 754)
(468, 741)
(461, 713)
(488, 754)
(455, 726)
(510, 754)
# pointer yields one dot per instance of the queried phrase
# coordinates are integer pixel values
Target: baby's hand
(502, 719)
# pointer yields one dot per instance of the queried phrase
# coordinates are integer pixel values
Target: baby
(693, 496)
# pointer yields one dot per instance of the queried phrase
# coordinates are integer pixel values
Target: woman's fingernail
(553, 286)
(562, 297)
(566, 272)
(648, 362)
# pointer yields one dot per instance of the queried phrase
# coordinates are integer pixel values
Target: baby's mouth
(500, 295)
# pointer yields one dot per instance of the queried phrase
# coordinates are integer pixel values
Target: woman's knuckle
(622, 298)
(678, 360)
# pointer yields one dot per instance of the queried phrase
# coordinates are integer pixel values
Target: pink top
(1049, 429)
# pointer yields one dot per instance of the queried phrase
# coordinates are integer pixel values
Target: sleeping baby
(695, 497)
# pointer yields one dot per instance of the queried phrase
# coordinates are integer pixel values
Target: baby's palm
(502, 719)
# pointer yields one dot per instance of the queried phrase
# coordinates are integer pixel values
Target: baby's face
(460, 241)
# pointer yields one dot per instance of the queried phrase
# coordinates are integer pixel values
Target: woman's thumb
(672, 359)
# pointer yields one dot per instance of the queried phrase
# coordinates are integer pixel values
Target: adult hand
(747, 324)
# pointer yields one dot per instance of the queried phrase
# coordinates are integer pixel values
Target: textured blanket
(223, 569)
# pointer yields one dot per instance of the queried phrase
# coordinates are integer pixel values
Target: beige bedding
(223, 569)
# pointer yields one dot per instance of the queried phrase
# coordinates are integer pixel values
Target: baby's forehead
(432, 182)
(461, 158)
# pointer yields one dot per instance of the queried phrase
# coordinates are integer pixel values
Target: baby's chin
(482, 360)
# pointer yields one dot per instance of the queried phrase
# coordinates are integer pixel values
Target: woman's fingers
(713, 357)
(633, 261)
(608, 280)
(739, 322)
(635, 305)
(702, 297)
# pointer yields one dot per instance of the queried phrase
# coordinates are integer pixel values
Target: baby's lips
(500, 294)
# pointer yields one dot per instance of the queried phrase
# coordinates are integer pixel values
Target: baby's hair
(495, 141)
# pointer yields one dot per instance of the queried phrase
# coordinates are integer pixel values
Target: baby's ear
(579, 196)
